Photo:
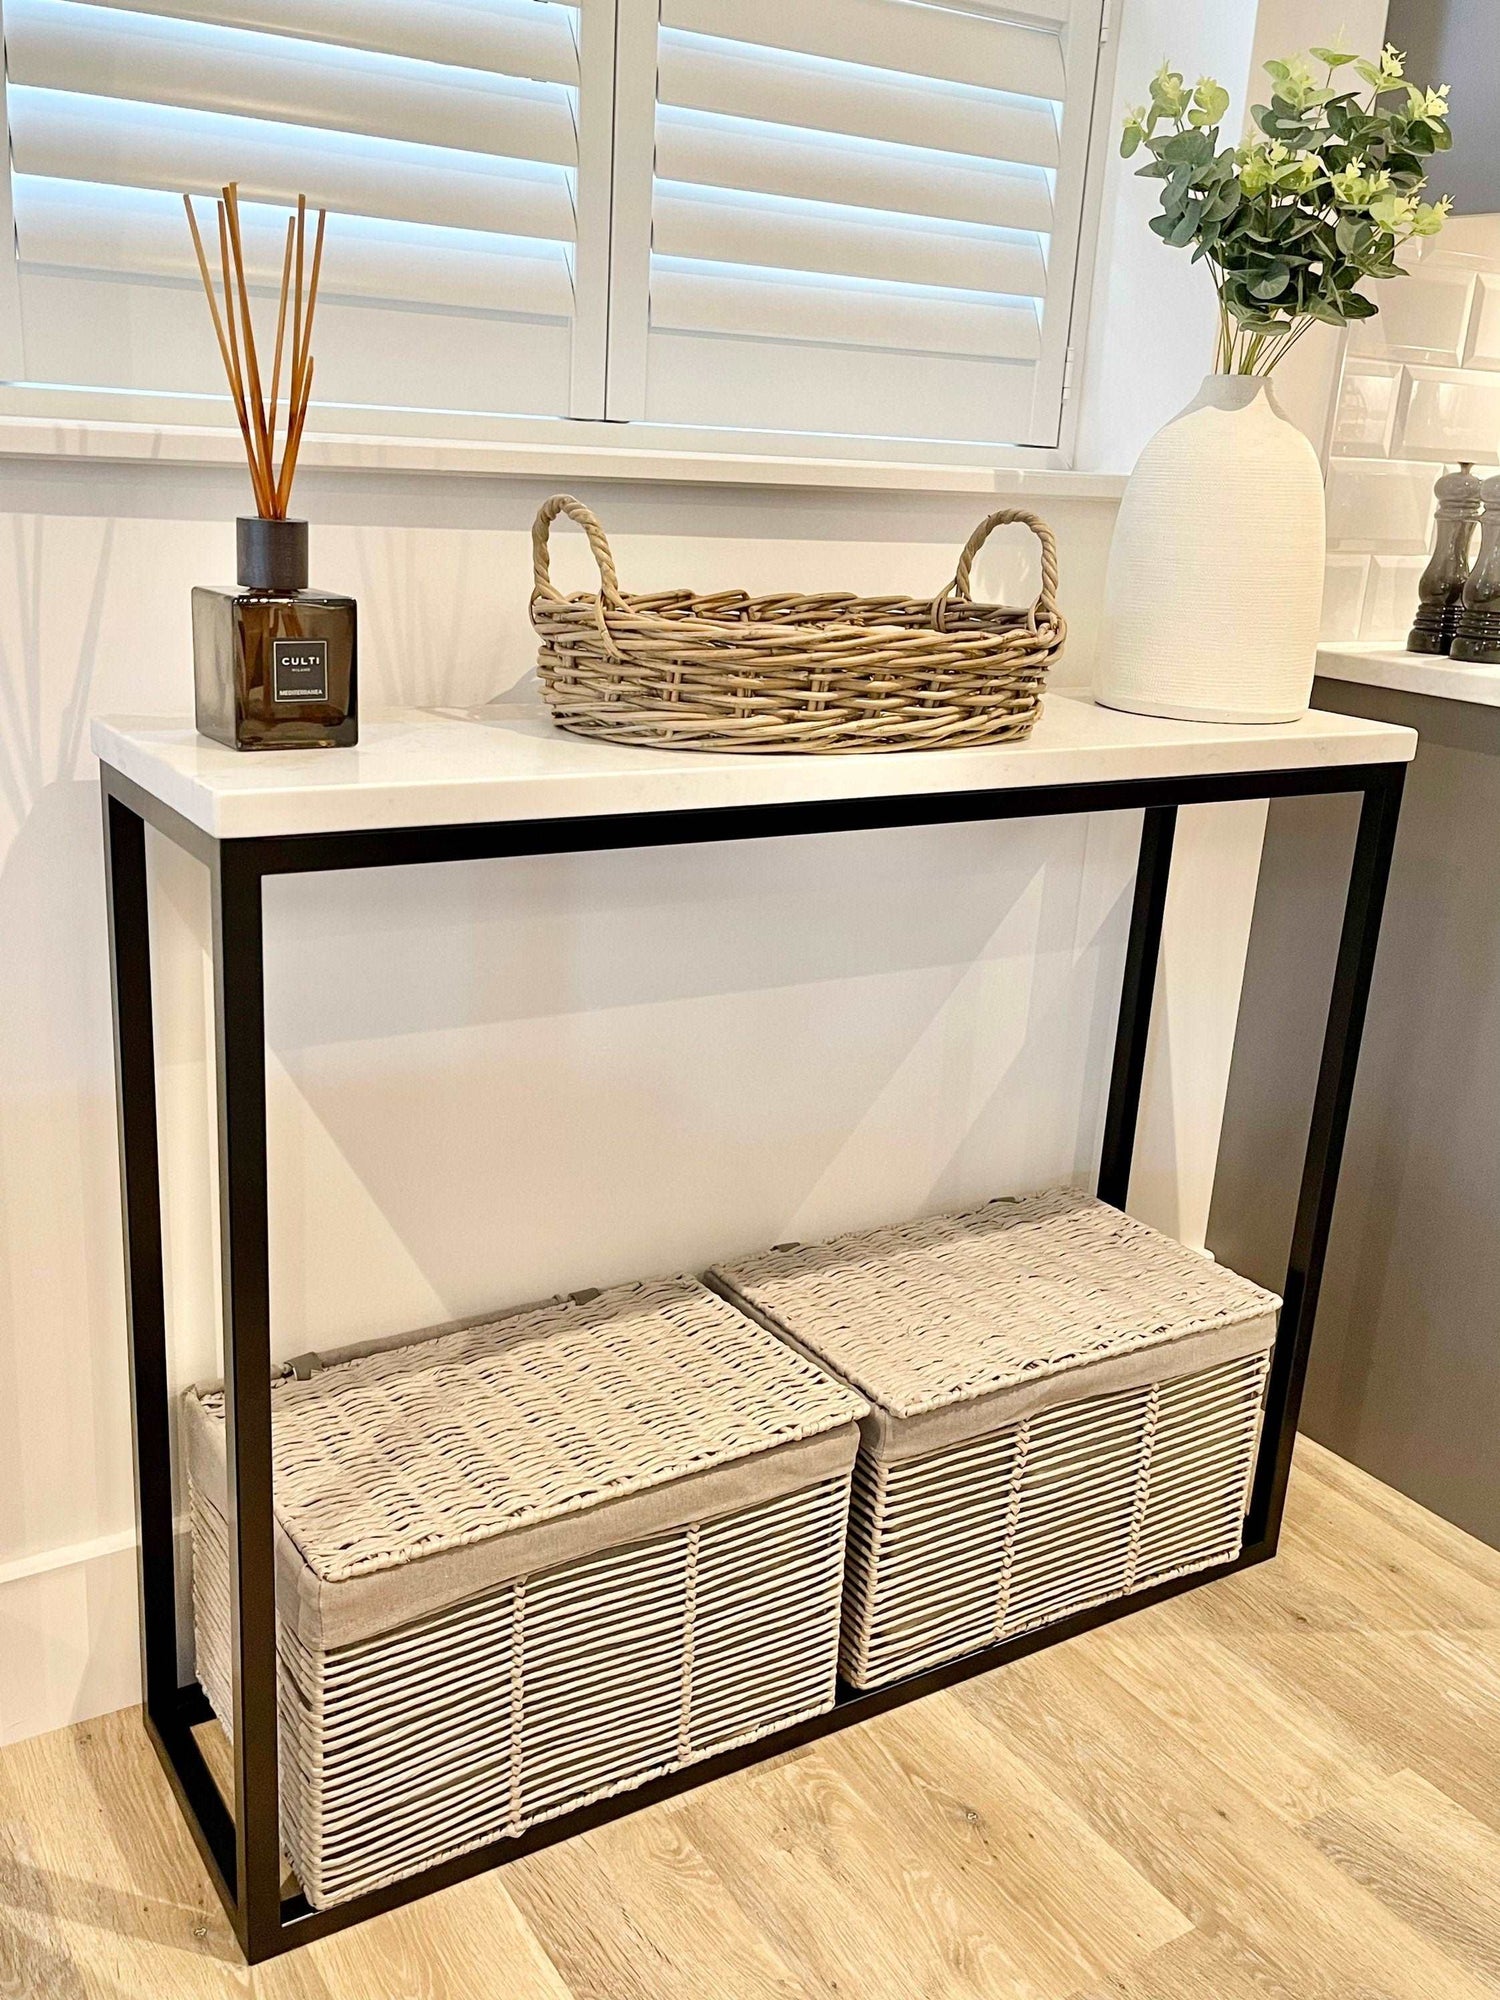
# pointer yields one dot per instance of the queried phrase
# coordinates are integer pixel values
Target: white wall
(500, 1079)
(504, 1078)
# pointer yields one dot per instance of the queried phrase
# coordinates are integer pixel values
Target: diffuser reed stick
(234, 330)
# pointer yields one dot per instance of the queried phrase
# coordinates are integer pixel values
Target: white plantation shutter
(813, 219)
(862, 215)
(465, 267)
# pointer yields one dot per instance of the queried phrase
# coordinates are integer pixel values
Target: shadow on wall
(37, 746)
(59, 1241)
(639, 1062)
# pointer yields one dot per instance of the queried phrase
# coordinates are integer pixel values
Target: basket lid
(952, 1308)
(495, 1427)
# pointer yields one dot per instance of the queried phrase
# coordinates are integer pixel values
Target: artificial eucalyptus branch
(1320, 200)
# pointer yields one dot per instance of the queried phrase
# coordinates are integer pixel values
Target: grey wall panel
(1458, 42)
(1405, 1375)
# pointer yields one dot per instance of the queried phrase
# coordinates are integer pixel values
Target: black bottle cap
(271, 555)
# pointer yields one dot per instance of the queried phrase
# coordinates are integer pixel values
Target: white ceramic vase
(1215, 578)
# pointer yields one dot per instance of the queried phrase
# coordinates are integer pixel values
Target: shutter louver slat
(936, 43)
(135, 232)
(71, 137)
(60, 45)
(509, 37)
(719, 227)
(738, 154)
(689, 299)
(698, 73)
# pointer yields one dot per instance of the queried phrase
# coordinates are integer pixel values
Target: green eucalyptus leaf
(1272, 284)
(1185, 227)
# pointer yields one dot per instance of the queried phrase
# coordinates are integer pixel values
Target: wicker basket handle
(1046, 602)
(541, 569)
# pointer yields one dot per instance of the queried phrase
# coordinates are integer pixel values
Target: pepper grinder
(1478, 637)
(1440, 593)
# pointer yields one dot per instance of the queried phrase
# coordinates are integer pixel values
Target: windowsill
(132, 443)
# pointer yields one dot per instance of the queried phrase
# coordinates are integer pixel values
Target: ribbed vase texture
(1215, 580)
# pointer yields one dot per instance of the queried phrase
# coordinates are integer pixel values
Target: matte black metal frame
(240, 1845)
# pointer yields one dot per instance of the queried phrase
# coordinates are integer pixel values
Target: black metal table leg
(1147, 911)
(239, 1014)
(1369, 873)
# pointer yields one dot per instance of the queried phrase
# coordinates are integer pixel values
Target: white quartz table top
(448, 767)
(1411, 673)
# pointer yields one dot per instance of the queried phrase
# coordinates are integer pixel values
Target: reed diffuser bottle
(275, 664)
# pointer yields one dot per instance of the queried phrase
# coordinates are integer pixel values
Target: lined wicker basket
(681, 670)
(1065, 1408)
(528, 1563)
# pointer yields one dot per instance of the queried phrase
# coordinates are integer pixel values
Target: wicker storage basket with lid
(727, 671)
(1065, 1408)
(530, 1562)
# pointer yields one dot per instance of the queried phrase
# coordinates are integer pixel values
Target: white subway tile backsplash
(1421, 318)
(1380, 506)
(1366, 409)
(1344, 581)
(1390, 597)
(1448, 414)
(1482, 349)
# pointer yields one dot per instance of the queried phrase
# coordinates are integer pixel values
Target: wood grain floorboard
(850, 1903)
(1295, 1759)
(1322, 1469)
(1230, 1864)
(1283, 1787)
(1425, 1858)
(635, 1911)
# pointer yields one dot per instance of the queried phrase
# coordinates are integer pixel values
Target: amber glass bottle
(275, 665)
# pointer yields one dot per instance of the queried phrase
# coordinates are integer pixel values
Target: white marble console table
(424, 787)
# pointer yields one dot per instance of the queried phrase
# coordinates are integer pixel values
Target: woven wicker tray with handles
(727, 671)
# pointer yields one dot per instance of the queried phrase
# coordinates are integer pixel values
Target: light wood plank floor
(1282, 1787)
